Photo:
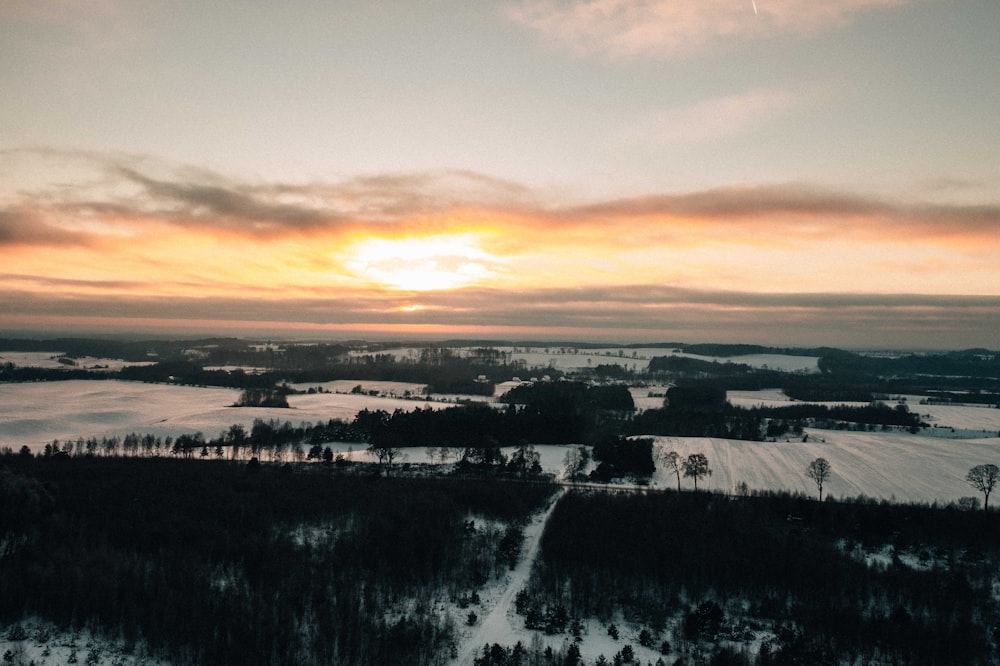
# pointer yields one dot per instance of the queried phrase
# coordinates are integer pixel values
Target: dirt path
(497, 627)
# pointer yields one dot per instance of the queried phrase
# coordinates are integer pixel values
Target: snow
(894, 465)
(39, 642)
(501, 625)
(981, 421)
(50, 360)
(569, 359)
(34, 414)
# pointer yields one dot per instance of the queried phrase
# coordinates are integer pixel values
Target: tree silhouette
(672, 461)
(696, 467)
(984, 479)
(819, 471)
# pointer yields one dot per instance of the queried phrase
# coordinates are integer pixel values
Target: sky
(780, 172)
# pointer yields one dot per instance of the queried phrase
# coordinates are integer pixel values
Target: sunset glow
(800, 174)
(421, 264)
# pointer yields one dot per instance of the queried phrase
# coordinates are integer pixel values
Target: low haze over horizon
(784, 173)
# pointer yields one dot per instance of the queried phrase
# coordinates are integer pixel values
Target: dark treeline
(618, 457)
(726, 350)
(233, 564)
(778, 562)
(440, 369)
(846, 376)
(701, 410)
(544, 412)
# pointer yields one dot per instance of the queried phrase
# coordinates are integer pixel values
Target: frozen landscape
(927, 466)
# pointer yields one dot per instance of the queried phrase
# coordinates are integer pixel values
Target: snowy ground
(40, 643)
(572, 358)
(50, 360)
(34, 414)
(895, 466)
(981, 421)
(498, 623)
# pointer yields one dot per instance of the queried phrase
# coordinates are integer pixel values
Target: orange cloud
(471, 251)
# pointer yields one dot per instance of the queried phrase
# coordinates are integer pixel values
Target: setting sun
(422, 264)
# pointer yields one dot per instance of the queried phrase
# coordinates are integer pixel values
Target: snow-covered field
(34, 414)
(50, 360)
(886, 465)
(980, 421)
(572, 358)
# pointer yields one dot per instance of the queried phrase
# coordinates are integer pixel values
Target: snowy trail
(496, 627)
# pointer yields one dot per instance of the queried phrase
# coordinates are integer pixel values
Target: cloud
(800, 209)
(136, 191)
(623, 29)
(24, 227)
(639, 312)
(725, 116)
(188, 241)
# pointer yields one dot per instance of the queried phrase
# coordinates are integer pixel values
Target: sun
(430, 263)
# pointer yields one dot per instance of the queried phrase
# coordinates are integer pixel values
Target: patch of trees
(796, 564)
(702, 411)
(553, 413)
(970, 363)
(224, 564)
(619, 457)
(570, 398)
(699, 411)
(687, 367)
(974, 375)
(875, 413)
(15, 373)
(262, 397)
(726, 350)
(192, 373)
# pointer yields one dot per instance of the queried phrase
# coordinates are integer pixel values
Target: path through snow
(497, 627)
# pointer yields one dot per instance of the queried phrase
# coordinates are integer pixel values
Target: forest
(707, 574)
(222, 563)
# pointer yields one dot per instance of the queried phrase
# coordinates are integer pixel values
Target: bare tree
(819, 470)
(696, 467)
(386, 455)
(672, 461)
(984, 479)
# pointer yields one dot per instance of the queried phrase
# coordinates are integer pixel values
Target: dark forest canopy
(212, 568)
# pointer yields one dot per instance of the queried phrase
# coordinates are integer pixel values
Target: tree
(696, 467)
(819, 471)
(672, 461)
(575, 461)
(984, 479)
(525, 460)
(386, 455)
